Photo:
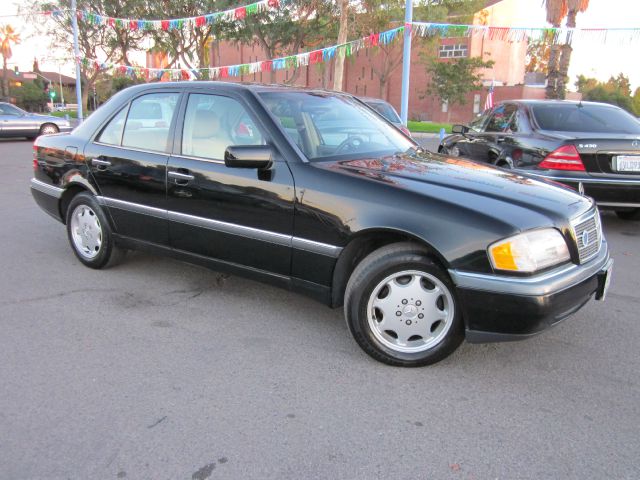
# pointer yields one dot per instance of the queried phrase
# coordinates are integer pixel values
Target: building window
(445, 107)
(365, 89)
(363, 73)
(454, 51)
(371, 73)
(356, 89)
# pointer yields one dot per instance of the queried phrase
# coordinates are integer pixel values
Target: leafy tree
(451, 81)
(30, 96)
(616, 91)
(8, 38)
(112, 44)
(377, 15)
(190, 45)
(288, 30)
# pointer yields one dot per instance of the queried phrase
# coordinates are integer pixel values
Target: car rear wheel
(89, 233)
(401, 308)
(631, 214)
(48, 129)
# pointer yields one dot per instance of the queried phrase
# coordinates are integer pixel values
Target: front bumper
(611, 191)
(501, 308)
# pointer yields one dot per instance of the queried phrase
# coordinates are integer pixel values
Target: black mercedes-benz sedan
(422, 250)
(15, 122)
(592, 147)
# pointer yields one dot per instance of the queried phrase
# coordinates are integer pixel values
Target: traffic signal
(16, 70)
(52, 94)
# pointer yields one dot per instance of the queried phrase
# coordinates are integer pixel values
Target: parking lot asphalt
(156, 369)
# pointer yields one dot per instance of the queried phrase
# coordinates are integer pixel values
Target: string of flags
(291, 61)
(518, 34)
(230, 15)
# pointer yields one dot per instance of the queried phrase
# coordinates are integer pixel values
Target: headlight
(529, 251)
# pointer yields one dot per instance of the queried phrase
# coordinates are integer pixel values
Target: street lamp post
(76, 53)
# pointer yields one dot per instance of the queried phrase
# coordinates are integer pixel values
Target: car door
(14, 122)
(497, 133)
(241, 216)
(467, 145)
(128, 161)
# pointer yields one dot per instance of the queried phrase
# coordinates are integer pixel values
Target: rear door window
(503, 119)
(148, 122)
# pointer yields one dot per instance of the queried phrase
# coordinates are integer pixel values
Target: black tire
(632, 214)
(366, 278)
(107, 253)
(48, 128)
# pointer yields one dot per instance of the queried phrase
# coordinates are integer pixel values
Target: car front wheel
(401, 308)
(89, 233)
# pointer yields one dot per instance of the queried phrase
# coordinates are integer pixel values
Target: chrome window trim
(546, 283)
(199, 159)
(298, 243)
(132, 149)
(51, 190)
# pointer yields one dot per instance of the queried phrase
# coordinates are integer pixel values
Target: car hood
(488, 190)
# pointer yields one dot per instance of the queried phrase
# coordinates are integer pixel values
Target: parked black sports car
(421, 249)
(592, 147)
(15, 122)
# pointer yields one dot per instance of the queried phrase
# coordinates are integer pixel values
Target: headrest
(206, 124)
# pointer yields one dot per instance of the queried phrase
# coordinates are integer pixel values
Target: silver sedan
(15, 122)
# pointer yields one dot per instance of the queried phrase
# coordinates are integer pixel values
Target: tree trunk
(338, 73)
(5, 78)
(552, 70)
(565, 56)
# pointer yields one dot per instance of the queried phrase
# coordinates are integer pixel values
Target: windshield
(584, 118)
(326, 126)
(386, 111)
(8, 109)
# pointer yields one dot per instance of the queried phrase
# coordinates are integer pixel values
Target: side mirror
(249, 156)
(459, 129)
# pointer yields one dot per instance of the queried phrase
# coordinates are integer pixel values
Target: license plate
(626, 163)
(603, 282)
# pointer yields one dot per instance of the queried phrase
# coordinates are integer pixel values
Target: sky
(592, 58)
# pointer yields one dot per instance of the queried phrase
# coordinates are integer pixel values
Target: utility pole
(406, 61)
(76, 53)
(60, 80)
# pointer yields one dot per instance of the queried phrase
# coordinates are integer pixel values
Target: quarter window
(212, 123)
(112, 133)
(148, 122)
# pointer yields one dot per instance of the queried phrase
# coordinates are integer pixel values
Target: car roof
(372, 100)
(528, 102)
(255, 87)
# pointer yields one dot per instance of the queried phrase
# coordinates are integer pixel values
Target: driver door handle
(180, 178)
(101, 164)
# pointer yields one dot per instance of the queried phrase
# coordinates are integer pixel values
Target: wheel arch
(362, 244)
(72, 186)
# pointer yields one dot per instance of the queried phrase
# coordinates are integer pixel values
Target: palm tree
(556, 11)
(8, 37)
(574, 7)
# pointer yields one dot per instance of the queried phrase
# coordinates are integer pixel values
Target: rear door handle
(101, 164)
(180, 178)
(500, 139)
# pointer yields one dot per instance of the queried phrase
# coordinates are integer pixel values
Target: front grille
(587, 232)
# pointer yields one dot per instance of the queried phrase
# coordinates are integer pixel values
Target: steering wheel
(350, 143)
